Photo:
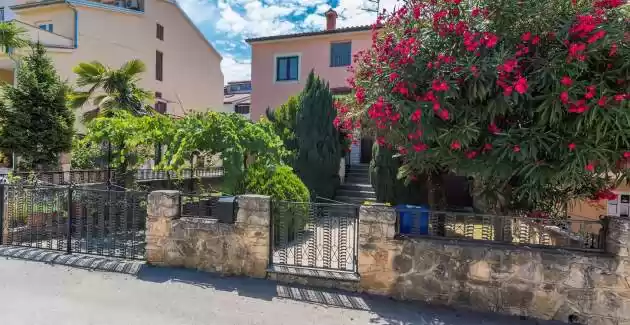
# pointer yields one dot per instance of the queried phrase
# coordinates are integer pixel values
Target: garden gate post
(70, 217)
(2, 210)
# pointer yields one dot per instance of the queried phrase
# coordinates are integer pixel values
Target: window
(159, 65)
(287, 68)
(160, 105)
(160, 32)
(46, 27)
(340, 54)
(241, 109)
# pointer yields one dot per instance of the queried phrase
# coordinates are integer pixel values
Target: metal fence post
(70, 216)
(2, 202)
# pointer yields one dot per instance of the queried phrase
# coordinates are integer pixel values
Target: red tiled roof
(305, 34)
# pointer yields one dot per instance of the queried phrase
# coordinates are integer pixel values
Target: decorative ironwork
(314, 235)
(519, 230)
(79, 220)
(150, 174)
(199, 206)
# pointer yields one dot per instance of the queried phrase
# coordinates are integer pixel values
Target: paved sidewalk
(34, 293)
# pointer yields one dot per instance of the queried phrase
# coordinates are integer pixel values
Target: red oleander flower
(493, 128)
(626, 155)
(393, 76)
(602, 101)
(471, 154)
(566, 81)
(516, 148)
(402, 150)
(439, 85)
(444, 114)
(487, 147)
(455, 145)
(419, 147)
(525, 37)
(564, 97)
(590, 167)
(521, 85)
(571, 146)
(416, 116)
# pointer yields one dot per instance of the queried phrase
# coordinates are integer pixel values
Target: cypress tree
(35, 122)
(319, 150)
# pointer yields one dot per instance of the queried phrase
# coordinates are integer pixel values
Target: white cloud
(234, 69)
(199, 11)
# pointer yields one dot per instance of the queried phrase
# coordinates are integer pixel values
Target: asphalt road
(34, 293)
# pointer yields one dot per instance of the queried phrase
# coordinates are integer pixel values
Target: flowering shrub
(529, 97)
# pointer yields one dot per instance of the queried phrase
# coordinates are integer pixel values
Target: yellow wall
(61, 16)
(192, 72)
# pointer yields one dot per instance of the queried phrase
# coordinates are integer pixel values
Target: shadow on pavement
(385, 311)
(89, 262)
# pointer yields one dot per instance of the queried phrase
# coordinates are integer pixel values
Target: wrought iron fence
(81, 220)
(314, 235)
(82, 176)
(150, 174)
(520, 230)
(199, 206)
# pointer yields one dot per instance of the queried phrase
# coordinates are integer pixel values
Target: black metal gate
(74, 219)
(314, 235)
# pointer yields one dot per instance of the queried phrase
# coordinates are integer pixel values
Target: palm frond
(133, 67)
(11, 36)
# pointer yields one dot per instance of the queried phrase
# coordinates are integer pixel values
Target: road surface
(34, 293)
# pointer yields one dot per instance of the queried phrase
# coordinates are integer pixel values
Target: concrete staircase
(357, 188)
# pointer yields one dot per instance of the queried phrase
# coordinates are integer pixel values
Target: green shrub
(289, 197)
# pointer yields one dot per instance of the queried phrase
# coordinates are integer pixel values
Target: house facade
(281, 64)
(237, 98)
(183, 68)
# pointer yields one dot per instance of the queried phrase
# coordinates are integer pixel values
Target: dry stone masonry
(204, 244)
(585, 287)
(590, 288)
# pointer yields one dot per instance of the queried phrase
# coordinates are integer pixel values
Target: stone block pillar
(618, 237)
(253, 222)
(162, 209)
(4, 200)
(377, 249)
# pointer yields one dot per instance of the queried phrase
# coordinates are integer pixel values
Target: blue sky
(227, 23)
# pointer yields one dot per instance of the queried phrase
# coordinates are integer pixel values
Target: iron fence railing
(81, 176)
(150, 174)
(92, 176)
(199, 206)
(520, 230)
(74, 220)
(314, 235)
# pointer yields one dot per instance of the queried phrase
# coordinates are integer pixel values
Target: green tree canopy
(531, 98)
(35, 122)
(235, 138)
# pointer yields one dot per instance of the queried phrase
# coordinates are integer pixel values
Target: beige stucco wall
(192, 73)
(314, 54)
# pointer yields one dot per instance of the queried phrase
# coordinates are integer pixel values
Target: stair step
(354, 200)
(354, 180)
(356, 187)
(357, 194)
(314, 272)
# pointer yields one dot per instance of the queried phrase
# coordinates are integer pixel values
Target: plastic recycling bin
(413, 219)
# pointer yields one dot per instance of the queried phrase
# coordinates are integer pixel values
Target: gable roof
(118, 9)
(307, 34)
(236, 98)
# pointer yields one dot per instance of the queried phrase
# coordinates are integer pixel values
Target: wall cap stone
(377, 214)
(164, 204)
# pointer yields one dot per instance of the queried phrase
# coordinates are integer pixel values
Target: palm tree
(11, 36)
(110, 89)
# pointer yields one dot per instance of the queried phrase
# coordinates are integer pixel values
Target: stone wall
(579, 286)
(241, 248)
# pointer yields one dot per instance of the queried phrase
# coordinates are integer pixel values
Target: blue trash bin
(413, 219)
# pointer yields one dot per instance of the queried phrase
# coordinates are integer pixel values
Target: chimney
(331, 19)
